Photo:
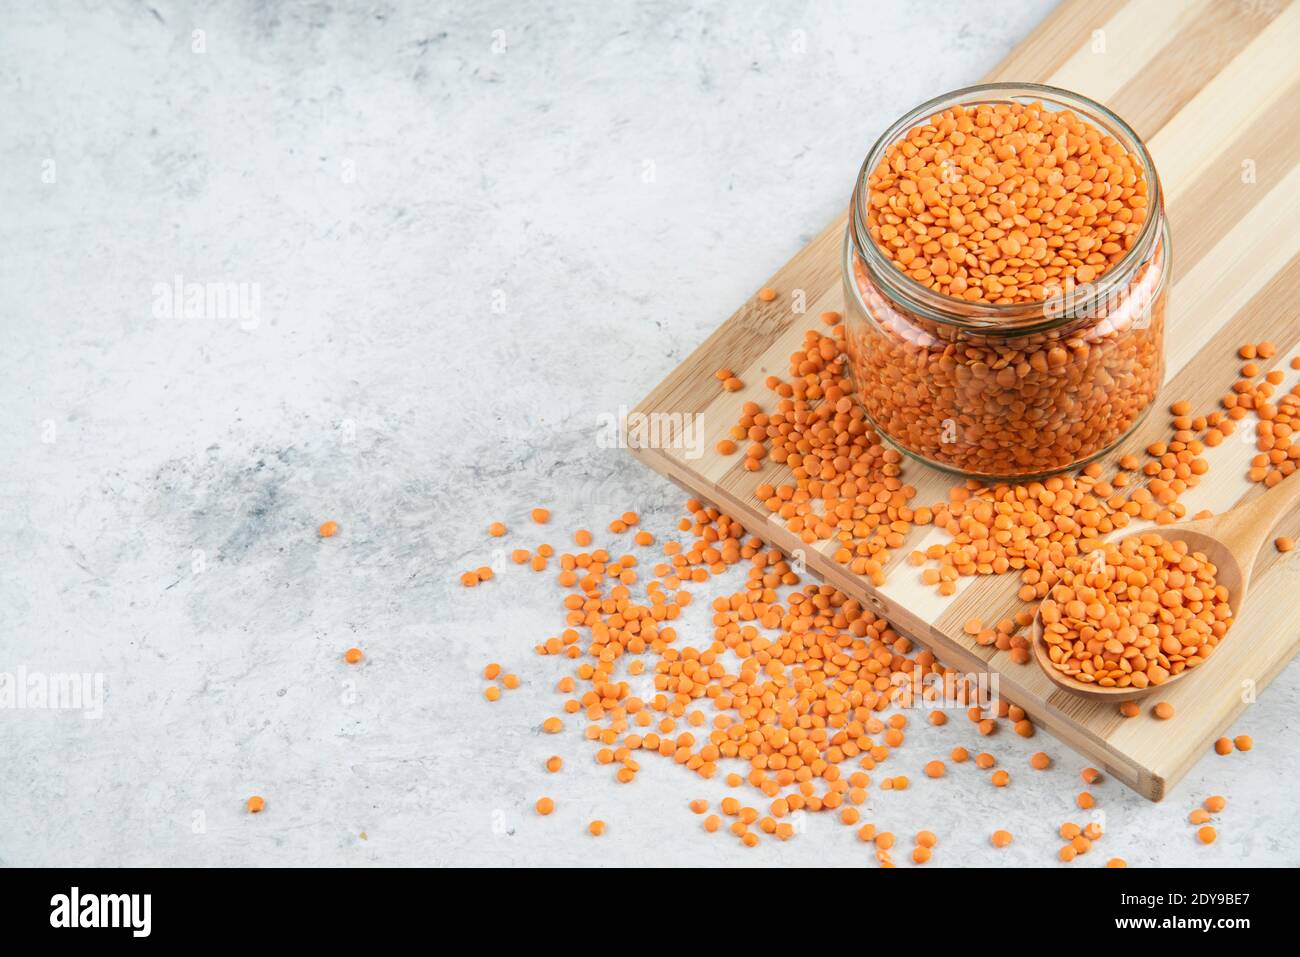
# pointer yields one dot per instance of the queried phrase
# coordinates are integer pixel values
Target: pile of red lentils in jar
(1003, 202)
(1005, 205)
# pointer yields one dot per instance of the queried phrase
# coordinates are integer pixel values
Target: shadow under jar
(1006, 390)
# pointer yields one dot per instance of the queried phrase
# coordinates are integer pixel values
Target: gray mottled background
(471, 229)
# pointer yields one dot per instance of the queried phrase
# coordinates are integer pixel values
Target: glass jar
(1014, 390)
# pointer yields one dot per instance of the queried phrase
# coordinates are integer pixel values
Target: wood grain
(1202, 82)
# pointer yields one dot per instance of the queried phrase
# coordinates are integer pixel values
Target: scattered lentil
(844, 485)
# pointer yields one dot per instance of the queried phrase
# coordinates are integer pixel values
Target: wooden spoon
(1230, 541)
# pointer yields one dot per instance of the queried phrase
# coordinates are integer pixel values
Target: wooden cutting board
(1212, 88)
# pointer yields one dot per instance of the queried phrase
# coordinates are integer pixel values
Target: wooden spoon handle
(1244, 529)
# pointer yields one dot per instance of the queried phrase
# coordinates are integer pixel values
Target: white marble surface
(461, 260)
